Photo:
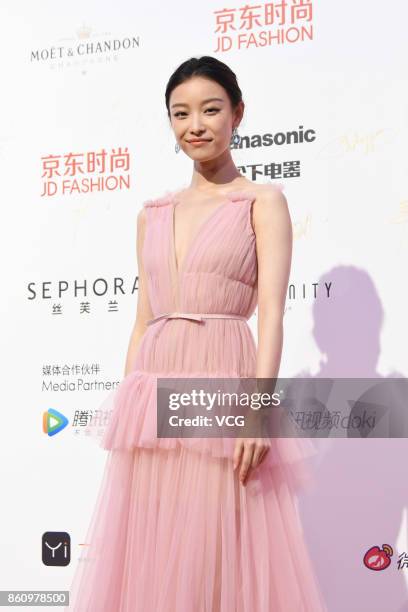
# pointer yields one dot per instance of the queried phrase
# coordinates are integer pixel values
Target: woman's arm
(273, 229)
(143, 311)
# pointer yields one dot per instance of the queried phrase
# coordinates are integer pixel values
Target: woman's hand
(248, 454)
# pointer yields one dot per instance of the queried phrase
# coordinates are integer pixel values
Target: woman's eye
(182, 113)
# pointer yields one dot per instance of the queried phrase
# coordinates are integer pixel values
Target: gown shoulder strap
(163, 200)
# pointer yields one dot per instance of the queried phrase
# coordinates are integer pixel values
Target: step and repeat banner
(85, 140)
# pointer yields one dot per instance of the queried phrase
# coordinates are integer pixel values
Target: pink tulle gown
(173, 529)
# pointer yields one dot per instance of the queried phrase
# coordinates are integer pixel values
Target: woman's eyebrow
(204, 102)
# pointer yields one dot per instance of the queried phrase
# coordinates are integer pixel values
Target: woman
(201, 524)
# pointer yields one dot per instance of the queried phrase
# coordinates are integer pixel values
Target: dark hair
(209, 68)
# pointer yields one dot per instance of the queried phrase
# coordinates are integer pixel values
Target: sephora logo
(100, 287)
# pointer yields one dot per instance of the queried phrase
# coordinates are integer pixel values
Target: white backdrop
(335, 69)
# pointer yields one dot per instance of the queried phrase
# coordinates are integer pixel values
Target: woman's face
(201, 109)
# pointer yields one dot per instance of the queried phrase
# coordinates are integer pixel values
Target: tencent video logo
(53, 422)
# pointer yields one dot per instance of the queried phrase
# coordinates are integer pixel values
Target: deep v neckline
(179, 267)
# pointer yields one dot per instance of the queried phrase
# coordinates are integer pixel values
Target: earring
(236, 138)
(177, 147)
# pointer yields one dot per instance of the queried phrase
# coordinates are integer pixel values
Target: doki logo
(378, 559)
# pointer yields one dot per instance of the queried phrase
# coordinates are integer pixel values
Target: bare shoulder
(269, 194)
(270, 206)
(141, 220)
(141, 215)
